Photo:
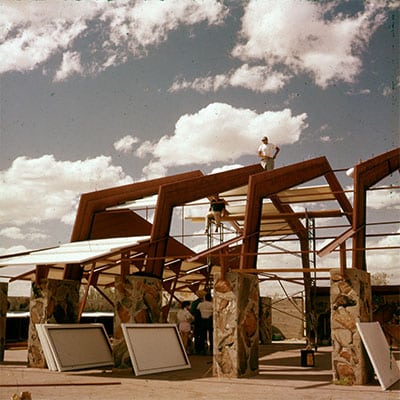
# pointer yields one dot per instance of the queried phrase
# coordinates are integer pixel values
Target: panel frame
(377, 347)
(53, 352)
(134, 346)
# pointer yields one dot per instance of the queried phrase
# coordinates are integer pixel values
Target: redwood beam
(93, 202)
(367, 174)
(86, 293)
(42, 272)
(266, 184)
(73, 272)
(340, 195)
(181, 192)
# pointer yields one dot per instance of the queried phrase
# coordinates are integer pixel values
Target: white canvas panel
(377, 347)
(78, 346)
(48, 354)
(155, 348)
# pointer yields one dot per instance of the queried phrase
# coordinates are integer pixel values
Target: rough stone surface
(52, 302)
(350, 302)
(265, 320)
(236, 332)
(138, 300)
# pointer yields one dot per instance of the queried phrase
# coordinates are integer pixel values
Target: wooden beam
(275, 270)
(266, 184)
(367, 174)
(335, 243)
(93, 202)
(42, 271)
(178, 193)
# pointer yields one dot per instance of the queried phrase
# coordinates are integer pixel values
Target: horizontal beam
(273, 270)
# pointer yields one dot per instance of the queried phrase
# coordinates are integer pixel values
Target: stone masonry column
(3, 317)
(52, 302)
(138, 299)
(265, 321)
(351, 301)
(236, 332)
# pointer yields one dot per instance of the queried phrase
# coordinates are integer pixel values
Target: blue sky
(97, 94)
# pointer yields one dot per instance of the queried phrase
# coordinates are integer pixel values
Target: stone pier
(52, 302)
(236, 334)
(138, 299)
(351, 301)
(3, 317)
(265, 320)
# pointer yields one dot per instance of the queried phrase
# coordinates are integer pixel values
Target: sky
(96, 94)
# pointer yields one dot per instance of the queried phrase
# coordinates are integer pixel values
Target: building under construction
(147, 240)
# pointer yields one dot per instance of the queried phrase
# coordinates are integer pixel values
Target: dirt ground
(281, 377)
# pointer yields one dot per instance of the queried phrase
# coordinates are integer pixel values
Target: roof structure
(152, 227)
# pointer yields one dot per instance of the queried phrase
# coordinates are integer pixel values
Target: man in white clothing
(267, 153)
(206, 324)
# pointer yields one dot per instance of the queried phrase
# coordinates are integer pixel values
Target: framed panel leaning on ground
(379, 352)
(76, 346)
(155, 348)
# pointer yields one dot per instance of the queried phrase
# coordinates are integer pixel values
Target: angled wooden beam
(181, 192)
(213, 250)
(93, 202)
(266, 184)
(367, 174)
(341, 197)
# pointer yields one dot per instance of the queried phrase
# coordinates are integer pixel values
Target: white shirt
(267, 150)
(206, 309)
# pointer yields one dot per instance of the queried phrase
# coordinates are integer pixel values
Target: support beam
(367, 174)
(93, 202)
(266, 184)
(178, 193)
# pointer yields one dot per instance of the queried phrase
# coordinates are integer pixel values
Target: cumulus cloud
(125, 144)
(283, 38)
(383, 199)
(32, 32)
(222, 133)
(43, 189)
(256, 78)
(16, 233)
(71, 64)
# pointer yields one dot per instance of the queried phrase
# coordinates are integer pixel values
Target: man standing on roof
(267, 152)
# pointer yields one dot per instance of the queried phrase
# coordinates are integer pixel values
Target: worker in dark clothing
(215, 212)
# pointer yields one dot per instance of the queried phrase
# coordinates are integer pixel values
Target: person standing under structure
(206, 325)
(267, 152)
(215, 212)
(184, 319)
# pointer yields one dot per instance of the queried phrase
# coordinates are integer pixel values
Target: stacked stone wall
(52, 302)
(236, 334)
(138, 300)
(350, 302)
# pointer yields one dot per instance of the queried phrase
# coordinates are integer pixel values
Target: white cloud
(283, 38)
(257, 78)
(14, 232)
(383, 199)
(154, 170)
(222, 133)
(43, 189)
(306, 38)
(12, 250)
(125, 144)
(385, 260)
(71, 64)
(32, 32)
(325, 139)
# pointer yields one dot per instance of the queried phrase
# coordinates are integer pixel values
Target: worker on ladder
(215, 212)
